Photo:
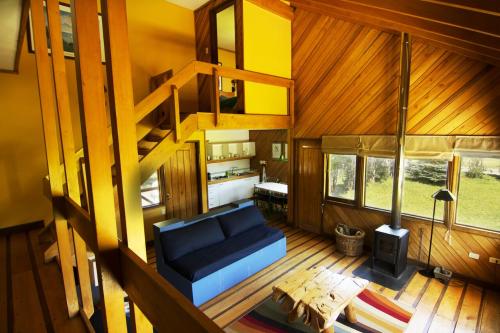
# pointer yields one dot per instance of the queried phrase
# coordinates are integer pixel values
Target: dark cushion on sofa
(179, 242)
(198, 264)
(241, 220)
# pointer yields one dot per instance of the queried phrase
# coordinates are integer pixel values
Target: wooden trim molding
(275, 6)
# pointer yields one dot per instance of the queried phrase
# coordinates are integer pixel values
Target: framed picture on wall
(276, 150)
(67, 32)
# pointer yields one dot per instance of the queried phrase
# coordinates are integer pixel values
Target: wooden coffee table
(318, 296)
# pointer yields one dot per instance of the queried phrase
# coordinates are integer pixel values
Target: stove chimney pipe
(404, 90)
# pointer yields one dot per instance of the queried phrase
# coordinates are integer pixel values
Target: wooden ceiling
(469, 27)
(346, 80)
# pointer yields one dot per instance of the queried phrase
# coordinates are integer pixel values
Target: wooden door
(309, 185)
(181, 195)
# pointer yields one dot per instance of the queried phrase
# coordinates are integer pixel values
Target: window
(478, 203)
(422, 179)
(150, 191)
(341, 176)
(378, 182)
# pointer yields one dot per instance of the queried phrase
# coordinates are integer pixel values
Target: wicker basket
(349, 240)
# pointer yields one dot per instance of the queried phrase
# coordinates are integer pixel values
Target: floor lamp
(441, 195)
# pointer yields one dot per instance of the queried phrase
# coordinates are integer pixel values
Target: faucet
(233, 171)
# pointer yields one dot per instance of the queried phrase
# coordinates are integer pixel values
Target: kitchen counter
(230, 178)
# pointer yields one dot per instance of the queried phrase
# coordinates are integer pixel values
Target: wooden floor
(31, 293)
(458, 307)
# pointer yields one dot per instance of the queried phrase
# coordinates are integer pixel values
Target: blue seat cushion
(196, 265)
(241, 220)
(179, 242)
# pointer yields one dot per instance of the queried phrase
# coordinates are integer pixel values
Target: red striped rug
(375, 313)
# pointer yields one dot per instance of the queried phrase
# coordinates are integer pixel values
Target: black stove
(390, 249)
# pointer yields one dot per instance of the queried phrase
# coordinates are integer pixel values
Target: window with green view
(379, 177)
(341, 176)
(422, 179)
(478, 193)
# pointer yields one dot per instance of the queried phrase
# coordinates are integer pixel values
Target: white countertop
(273, 187)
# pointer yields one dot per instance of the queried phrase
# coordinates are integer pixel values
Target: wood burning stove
(390, 248)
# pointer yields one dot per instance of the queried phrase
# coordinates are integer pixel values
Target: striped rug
(375, 313)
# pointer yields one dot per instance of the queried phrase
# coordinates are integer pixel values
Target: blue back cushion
(241, 220)
(179, 242)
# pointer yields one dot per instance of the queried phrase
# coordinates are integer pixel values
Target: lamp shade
(444, 195)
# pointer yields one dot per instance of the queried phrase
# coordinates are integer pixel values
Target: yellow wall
(267, 49)
(228, 59)
(161, 37)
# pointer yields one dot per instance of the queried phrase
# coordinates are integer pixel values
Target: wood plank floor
(31, 293)
(459, 307)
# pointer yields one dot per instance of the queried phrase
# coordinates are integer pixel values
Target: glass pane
(150, 191)
(342, 176)
(379, 179)
(478, 200)
(422, 179)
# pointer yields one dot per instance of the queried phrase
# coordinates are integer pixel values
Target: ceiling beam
(472, 31)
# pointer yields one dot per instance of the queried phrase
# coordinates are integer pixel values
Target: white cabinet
(226, 192)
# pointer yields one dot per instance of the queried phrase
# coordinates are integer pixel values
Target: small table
(273, 187)
(318, 296)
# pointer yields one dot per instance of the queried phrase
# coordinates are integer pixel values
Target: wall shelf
(225, 151)
(230, 159)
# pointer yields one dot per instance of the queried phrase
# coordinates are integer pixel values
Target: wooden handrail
(164, 91)
(163, 305)
(166, 308)
(78, 218)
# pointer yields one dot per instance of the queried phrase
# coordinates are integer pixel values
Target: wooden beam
(156, 158)
(242, 121)
(239, 74)
(175, 115)
(291, 154)
(275, 6)
(160, 94)
(22, 32)
(165, 306)
(121, 105)
(68, 145)
(199, 136)
(50, 130)
(445, 24)
(215, 96)
(98, 167)
(79, 219)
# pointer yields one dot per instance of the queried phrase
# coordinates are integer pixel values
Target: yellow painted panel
(267, 49)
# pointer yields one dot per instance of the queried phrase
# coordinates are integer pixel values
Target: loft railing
(172, 86)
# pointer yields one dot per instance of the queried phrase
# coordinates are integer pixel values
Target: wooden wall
(346, 79)
(263, 142)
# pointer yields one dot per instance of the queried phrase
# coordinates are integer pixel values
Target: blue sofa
(208, 254)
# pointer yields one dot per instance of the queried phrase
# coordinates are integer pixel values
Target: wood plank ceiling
(466, 26)
(346, 77)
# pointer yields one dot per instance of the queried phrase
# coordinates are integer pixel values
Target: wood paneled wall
(452, 94)
(346, 78)
(263, 145)
(454, 257)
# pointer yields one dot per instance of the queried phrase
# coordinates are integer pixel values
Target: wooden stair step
(157, 134)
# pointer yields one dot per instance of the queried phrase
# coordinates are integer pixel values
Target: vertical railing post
(291, 152)
(101, 205)
(215, 96)
(123, 125)
(175, 116)
(68, 145)
(50, 130)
